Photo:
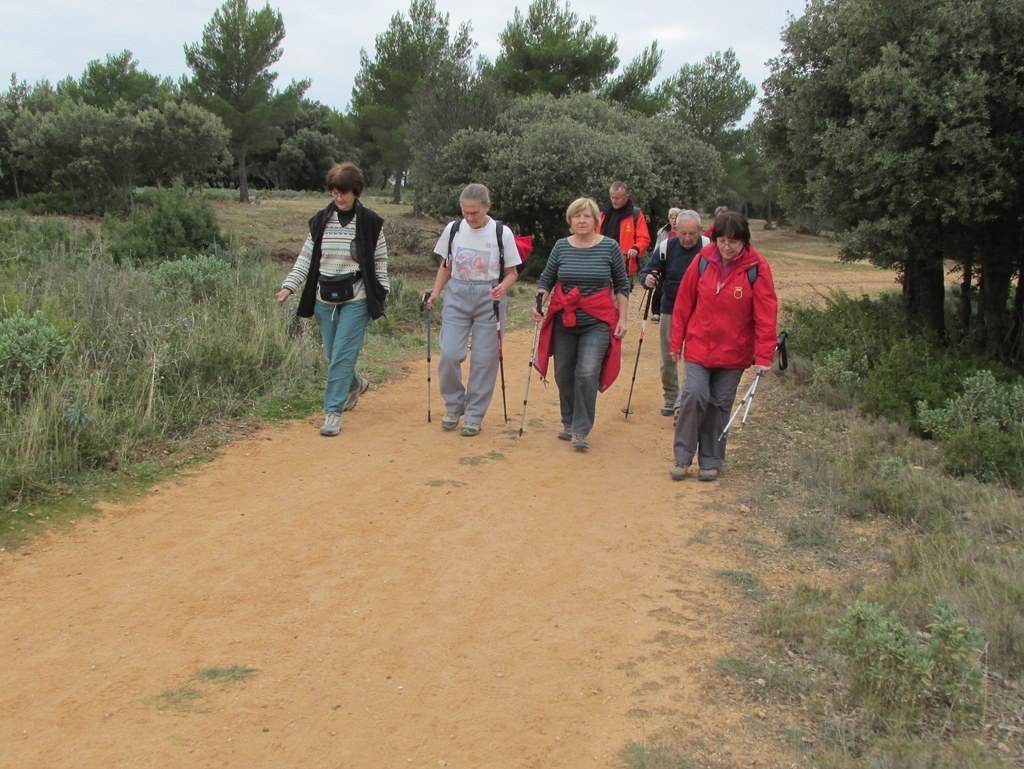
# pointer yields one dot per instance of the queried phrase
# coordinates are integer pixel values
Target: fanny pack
(338, 288)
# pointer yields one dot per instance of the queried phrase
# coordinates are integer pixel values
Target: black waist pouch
(338, 288)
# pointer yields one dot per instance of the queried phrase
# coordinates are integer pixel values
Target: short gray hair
(619, 186)
(476, 193)
(687, 214)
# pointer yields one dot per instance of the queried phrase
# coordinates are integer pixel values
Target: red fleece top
(600, 306)
(723, 321)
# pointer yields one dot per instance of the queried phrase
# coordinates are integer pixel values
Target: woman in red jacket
(725, 314)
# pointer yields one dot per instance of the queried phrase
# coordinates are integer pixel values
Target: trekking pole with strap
(426, 316)
(647, 310)
(501, 359)
(533, 359)
(748, 399)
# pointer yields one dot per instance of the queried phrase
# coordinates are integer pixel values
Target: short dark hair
(346, 177)
(731, 224)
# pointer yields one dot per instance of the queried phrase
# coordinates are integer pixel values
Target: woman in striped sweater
(587, 290)
(343, 271)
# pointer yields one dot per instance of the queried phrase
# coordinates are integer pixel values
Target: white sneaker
(353, 395)
(332, 424)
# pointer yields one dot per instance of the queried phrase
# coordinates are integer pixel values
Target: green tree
(550, 50)
(541, 153)
(710, 97)
(878, 117)
(118, 78)
(231, 77)
(413, 50)
(633, 87)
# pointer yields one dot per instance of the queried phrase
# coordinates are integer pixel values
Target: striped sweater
(336, 259)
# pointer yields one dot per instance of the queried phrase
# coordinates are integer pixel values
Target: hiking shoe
(469, 429)
(580, 442)
(332, 424)
(655, 319)
(564, 435)
(354, 393)
(450, 420)
(679, 472)
(707, 474)
(668, 410)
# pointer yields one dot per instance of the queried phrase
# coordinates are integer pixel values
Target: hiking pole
(426, 316)
(647, 309)
(501, 359)
(747, 400)
(533, 359)
(780, 346)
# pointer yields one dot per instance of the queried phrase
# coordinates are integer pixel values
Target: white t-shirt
(475, 252)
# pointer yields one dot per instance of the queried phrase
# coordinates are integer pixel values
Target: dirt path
(394, 597)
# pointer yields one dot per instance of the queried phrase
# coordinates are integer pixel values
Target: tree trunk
(396, 196)
(924, 293)
(965, 295)
(243, 179)
(1016, 336)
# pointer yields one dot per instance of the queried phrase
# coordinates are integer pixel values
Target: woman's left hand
(620, 328)
(497, 292)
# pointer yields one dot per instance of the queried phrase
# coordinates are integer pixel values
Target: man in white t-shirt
(475, 286)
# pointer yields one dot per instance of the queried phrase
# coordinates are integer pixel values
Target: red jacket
(632, 236)
(599, 305)
(724, 321)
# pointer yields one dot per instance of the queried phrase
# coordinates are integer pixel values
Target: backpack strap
(499, 231)
(451, 238)
(751, 271)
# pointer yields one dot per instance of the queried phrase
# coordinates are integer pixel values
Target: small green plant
(194, 278)
(887, 669)
(892, 672)
(29, 348)
(982, 429)
(225, 675)
(748, 584)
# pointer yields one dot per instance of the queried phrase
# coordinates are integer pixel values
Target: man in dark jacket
(667, 266)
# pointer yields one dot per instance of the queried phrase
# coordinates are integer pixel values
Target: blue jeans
(704, 407)
(579, 354)
(342, 328)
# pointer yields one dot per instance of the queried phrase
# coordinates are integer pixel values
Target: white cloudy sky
(50, 39)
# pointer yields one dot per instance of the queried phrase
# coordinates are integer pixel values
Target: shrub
(195, 278)
(29, 347)
(886, 667)
(174, 224)
(982, 429)
(909, 372)
(893, 673)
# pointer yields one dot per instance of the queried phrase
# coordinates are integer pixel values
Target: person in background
(665, 270)
(719, 210)
(663, 234)
(624, 222)
(343, 272)
(724, 320)
(587, 290)
(473, 279)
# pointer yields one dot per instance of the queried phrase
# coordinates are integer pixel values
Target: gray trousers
(704, 406)
(468, 309)
(669, 368)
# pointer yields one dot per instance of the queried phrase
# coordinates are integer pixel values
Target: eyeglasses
(732, 242)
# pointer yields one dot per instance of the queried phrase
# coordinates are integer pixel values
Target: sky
(51, 39)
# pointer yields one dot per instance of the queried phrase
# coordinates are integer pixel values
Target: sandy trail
(407, 597)
(404, 597)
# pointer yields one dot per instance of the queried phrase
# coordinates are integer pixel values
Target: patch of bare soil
(397, 596)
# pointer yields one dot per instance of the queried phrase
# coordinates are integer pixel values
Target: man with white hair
(666, 267)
